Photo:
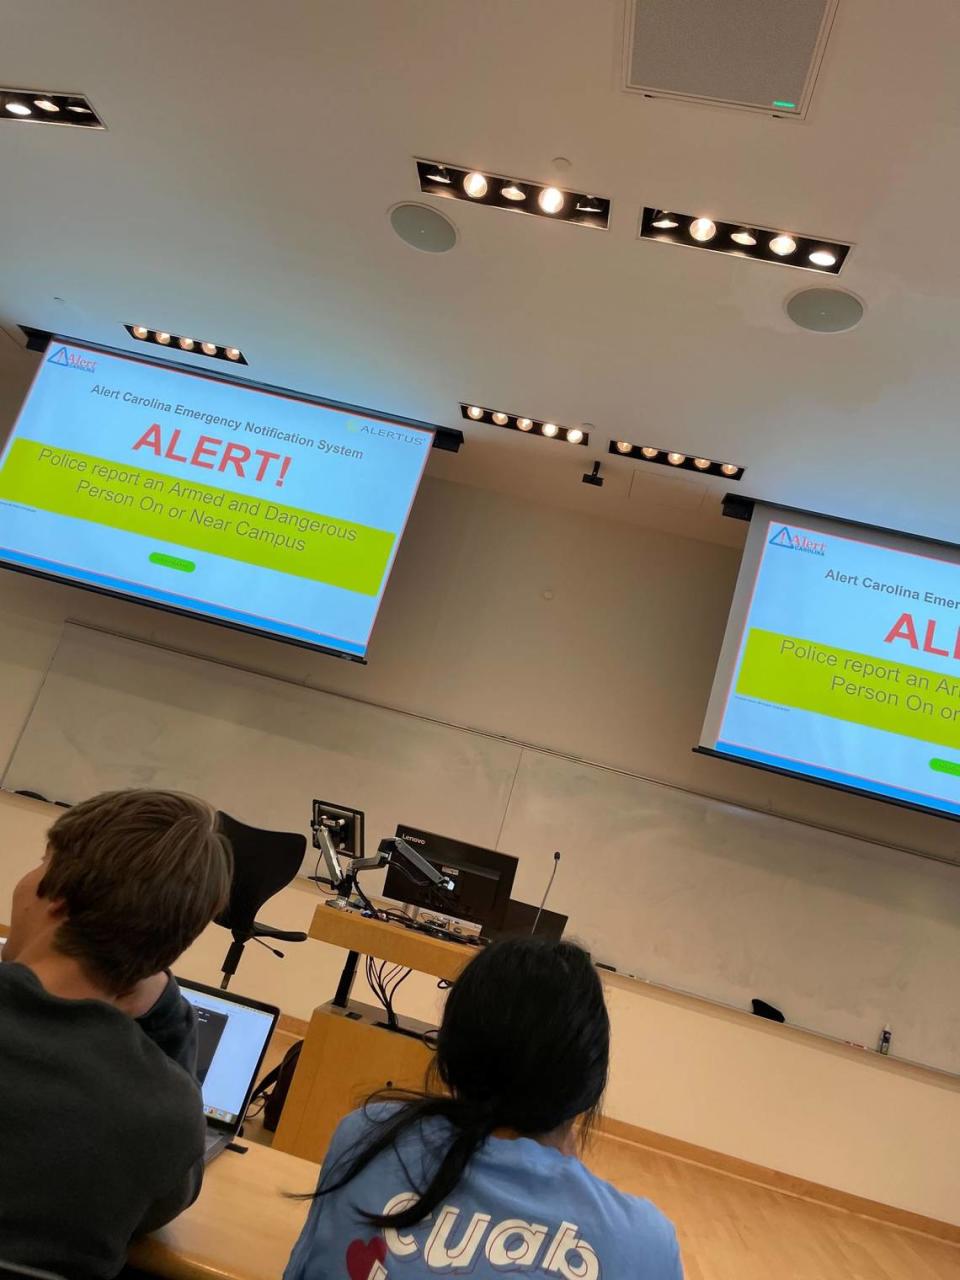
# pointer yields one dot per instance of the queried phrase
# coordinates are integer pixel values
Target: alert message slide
(849, 667)
(242, 505)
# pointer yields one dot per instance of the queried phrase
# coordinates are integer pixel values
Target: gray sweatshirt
(102, 1128)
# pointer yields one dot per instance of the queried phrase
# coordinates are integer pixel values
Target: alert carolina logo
(70, 360)
(794, 541)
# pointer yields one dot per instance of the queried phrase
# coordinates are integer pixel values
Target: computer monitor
(521, 917)
(483, 879)
(232, 1036)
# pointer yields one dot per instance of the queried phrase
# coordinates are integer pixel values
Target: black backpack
(275, 1086)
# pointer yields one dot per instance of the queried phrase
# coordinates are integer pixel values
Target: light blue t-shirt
(521, 1209)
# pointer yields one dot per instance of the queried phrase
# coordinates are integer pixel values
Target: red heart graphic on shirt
(362, 1256)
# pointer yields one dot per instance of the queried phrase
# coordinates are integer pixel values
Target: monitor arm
(395, 848)
(392, 849)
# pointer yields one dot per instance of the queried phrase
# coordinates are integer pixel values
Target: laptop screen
(231, 1041)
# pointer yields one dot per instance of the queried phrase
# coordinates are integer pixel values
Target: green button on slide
(172, 562)
(945, 766)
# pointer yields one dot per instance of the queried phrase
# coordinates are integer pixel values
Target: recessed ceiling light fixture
(160, 338)
(823, 257)
(702, 229)
(551, 200)
(531, 426)
(744, 240)
(475, 185)
(40, 106)
(541, 200)
(679, 461)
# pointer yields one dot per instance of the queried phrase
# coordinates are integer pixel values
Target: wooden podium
(349, 1052)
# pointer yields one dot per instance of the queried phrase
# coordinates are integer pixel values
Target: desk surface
(242, 1225)
(387, 941)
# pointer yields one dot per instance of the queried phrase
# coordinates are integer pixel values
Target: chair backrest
(264, 862)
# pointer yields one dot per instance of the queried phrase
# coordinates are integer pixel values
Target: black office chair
(264, 862)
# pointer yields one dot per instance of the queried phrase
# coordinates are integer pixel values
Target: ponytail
(471, 1125)
(524, 1045)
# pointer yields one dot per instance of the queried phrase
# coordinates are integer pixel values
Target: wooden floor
(730, 1229)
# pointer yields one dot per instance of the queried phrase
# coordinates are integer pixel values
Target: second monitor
(483, 879)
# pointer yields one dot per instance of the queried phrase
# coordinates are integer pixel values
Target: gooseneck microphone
(553, 876)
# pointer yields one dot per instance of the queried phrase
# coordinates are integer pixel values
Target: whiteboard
(676, 888)
(114, 712)
(841, 935)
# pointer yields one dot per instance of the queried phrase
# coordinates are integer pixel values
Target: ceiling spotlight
(549, 429)
(163, 339)
(701, 463)
(475, 412)
(501, 419)
(79, 110)
(187, 344)
(624, 446)
(703, 229)
(729, 469)
(524, 424)
(551, 199)
(475, 185)
(823, 258)
(516, 194)
(648, 452)
(233, 353)
(19, 109)
(140, 331)
(208, 348)
(675, 459)
(574, 435)
(744, 240)
(45, 105)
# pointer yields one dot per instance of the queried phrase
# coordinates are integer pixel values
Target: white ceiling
(254, 149)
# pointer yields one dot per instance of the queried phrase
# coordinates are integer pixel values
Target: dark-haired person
(485, 1180)
(102, 1132)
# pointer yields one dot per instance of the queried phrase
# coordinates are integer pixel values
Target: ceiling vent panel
(755, 55)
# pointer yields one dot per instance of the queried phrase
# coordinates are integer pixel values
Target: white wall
(614, 667)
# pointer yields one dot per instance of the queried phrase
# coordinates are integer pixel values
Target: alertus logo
(70, 360)
(795, 541)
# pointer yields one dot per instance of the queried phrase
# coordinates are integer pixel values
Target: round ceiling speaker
(825, 310)
(423, 228)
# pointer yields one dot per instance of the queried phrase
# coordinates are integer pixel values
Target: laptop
(233, 1034)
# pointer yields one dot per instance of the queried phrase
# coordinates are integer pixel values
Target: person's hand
(144, 995)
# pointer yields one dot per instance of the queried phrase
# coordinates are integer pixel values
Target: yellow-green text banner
(202, 517)
(847, 685)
